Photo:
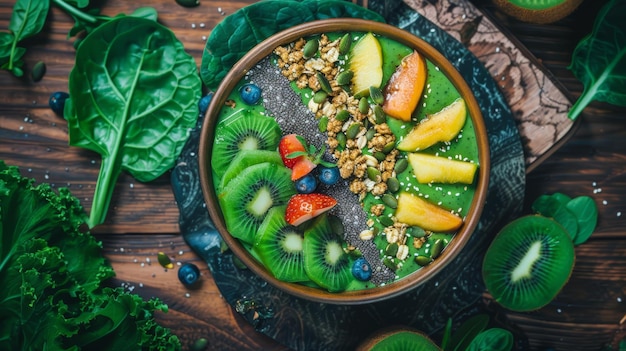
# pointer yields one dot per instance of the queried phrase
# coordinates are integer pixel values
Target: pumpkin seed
(310, 48)
(390, 200)
(341, 139)
(423, 260)
(353, 130)
(401, 165)
(436, 249)
(391, 249)
(393, 184)
(164, 260)
(416, 232)
(322, 124)
(344, 77)
(320, 96)
(39, 70)
(377, 95)
(342, 115)
(388, 147)
(188, 3)
(380, 156)
(379, 114)
(345, 43)
(370, 134)
(389, 263)
(385, 220)
(324, 84)
(373, 174)
(364, 105)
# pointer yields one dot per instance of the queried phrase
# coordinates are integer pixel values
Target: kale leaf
(599, 60)
(232, 38)
(52, 274)
(134, 95)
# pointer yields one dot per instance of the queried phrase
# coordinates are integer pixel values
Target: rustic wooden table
(143, 218)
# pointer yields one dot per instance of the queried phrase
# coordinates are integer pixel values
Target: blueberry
(203, 105)
(361, 269)
(329, 175)
(250, 93)
(57, 102)
(188, 274)
(306, 184)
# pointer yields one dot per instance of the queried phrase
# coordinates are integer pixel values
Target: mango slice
(366, 62)
(413, 210)
(405, 87)
(436, 169)
(440, 126)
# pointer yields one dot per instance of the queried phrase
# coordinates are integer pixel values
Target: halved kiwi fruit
(280, 247)
(245, 159)
(398, 339)
(537, 11)
(247, 198)
(325, 260)
(250, 131)
(528, 263)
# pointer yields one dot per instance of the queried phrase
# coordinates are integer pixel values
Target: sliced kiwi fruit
(245, 159)
(325, 260)
(398, 339)
(247, 197)
(528, 263)
(280, 247)
(537, 11)
(249, 131)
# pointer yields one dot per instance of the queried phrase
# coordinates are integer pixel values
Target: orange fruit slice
(413, 210)
(435, 169)
(405, 87)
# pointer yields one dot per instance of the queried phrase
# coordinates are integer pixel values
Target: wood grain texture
(587, 315)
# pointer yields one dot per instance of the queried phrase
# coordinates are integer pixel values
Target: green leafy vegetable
(599, 60)
(464, 335)
(494, 339)
(134, 95)
(52, 274)
(29, 17)
(578, 216)
(239, 32)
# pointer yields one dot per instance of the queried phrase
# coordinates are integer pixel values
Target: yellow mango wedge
(435, 169)
(366, 62)
(405, 87)
(444, 125)
(415, 211)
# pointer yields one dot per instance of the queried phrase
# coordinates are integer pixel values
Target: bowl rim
(265, 48)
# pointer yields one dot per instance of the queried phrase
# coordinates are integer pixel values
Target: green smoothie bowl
(344, 161)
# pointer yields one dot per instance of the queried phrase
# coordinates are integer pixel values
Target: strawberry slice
(302, 167)
(290, 144)
(302, 207)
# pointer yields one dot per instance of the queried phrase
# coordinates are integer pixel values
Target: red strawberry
(288, 145)
(302, 167)
(302, 207)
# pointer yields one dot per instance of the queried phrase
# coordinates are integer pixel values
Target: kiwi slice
(280, 247)
(245, 159)
(537, 11)
(247, 198)
(528, 263)
(325, 260)
(398, 338)
(249, 131)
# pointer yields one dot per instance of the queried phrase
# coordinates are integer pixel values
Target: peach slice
(435, 169)
(413, 210)
(405, 87)
(440, 126)
(366, 62)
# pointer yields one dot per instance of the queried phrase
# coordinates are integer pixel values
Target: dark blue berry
(250, 93)
(361, 269)
(203, 105)
(57, 102)
(329, 175)
(306, 184)
(188, 274)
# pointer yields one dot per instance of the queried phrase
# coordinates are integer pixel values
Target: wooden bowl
(344, 25)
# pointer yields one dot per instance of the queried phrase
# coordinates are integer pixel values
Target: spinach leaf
(599, 60)
(464, 335)
(587, 215)
(239, 32)
(27, 19)
(494, 339)
(578, 216)
(134, 95)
